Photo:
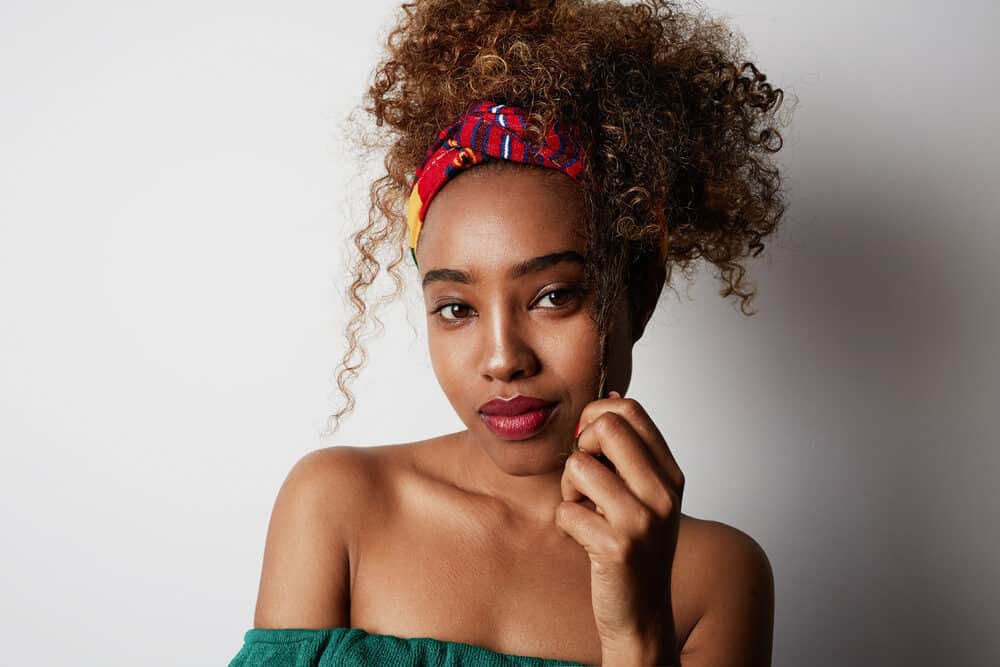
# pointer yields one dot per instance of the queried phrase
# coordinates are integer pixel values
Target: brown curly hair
(678, 127)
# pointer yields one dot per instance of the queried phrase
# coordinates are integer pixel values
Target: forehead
(491, 218)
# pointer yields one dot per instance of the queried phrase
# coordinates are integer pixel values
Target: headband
(488, 131)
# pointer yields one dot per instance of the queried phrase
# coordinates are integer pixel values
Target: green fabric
(349, 647)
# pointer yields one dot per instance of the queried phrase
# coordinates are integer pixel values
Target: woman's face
(500, 259)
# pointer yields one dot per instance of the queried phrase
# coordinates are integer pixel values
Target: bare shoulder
(306, 574)
(735, 587)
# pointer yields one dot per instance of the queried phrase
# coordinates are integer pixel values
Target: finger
(653, 441)
(624, 512)
(572, 494)
(588, 529)
(568, 489)
(570, 482)
(641, 474)
(636, 415)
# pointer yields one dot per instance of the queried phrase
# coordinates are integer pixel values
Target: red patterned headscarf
(487, 131)
(491, 131)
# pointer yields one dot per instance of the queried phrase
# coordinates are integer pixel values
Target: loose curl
(679, 129)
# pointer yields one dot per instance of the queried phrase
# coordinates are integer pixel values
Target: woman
(550, 163)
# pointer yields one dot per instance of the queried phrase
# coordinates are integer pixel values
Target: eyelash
(574, 292)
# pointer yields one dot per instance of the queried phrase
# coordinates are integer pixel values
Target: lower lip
(518, 427)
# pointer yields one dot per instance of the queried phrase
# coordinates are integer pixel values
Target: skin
(528, 544)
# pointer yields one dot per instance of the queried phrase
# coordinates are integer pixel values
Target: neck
(525, 479)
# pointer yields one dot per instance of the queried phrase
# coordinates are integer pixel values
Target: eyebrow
(523, 268)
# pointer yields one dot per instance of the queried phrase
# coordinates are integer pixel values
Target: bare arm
(305, 578)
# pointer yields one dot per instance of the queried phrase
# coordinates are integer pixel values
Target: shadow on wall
(886, 317)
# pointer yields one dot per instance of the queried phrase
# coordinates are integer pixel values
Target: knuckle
(575, 462)
(644, 520)
(672, 504)
(607, 422)
(620, 550)
(663, 504)
(562, 513)
(633, 408)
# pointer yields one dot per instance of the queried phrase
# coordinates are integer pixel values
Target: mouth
(520, 426)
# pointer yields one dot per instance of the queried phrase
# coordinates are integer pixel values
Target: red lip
(519, 427)
(515, 406)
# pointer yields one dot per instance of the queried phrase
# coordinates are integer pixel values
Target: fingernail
(577, 433)
(614, 394)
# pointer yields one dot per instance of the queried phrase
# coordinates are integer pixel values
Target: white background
(175, 195)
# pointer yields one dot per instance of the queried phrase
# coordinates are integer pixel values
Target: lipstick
(518, 418)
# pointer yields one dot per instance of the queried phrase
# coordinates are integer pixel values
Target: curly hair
(678, 127)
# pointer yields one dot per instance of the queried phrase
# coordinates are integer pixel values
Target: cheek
(446, 359)
(571, 350)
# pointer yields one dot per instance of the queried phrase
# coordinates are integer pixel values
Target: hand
(631, 532)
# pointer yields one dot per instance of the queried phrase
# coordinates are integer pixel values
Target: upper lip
(514, 406)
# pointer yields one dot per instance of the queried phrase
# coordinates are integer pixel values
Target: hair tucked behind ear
(679, 128)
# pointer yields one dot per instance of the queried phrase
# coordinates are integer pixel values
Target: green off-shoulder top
(353, 647)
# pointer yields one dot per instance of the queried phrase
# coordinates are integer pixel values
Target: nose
(507, 353)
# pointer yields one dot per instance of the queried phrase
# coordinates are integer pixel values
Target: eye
(564, 296)
(445, 307)
(558, 298)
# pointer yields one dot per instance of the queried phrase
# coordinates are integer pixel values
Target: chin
(524, 458)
